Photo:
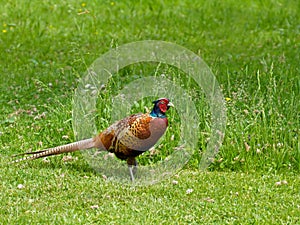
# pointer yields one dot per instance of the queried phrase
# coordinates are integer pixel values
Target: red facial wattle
(163, 107)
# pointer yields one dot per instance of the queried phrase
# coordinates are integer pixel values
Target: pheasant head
(160, 107)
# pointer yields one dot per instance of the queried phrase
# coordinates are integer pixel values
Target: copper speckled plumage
(126, 138)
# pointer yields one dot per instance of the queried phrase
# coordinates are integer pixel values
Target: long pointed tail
(79, 145)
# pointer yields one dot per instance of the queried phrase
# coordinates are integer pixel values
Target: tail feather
(75, 146)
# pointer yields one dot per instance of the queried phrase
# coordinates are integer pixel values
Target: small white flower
(94, 207)
(174, 182)
(20, 186)
(279, 144)
(189, 191)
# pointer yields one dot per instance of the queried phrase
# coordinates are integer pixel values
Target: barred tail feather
(75, 146)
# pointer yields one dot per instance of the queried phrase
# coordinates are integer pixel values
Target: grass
(253, 49)
(213, 197)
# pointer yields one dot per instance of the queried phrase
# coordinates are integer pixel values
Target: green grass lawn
(252, 47)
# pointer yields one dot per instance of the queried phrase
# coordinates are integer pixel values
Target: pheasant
(126, 138)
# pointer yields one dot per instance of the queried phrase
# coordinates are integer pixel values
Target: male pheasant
(126, 138)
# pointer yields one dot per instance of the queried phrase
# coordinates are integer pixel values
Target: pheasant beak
(170, 104)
